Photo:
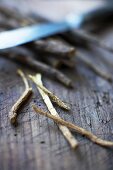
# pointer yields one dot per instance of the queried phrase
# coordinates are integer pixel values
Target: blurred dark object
(99, 19)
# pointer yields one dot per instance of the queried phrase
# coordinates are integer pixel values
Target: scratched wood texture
(37, 142)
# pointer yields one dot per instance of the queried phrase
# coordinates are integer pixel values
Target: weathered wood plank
(37, 143)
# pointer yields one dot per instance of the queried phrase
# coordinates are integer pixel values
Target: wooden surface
(37, 142)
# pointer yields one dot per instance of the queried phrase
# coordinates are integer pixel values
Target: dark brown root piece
(96, 67)
(26, 58)
(55, 47)
(83, 35)
(58, 63)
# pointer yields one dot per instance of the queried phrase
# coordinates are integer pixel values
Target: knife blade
(27, 34)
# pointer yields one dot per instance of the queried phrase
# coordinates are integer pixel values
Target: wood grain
(37, 142)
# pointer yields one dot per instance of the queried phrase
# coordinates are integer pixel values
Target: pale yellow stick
(53, 97)
(65, 131)
(72, 126)
(14, 110)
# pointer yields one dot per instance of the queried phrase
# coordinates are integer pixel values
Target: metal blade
(30, 33)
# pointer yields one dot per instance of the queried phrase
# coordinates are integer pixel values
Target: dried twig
(67, 134)
(56, 62)
(52, 61)
(26, 57)
(55, 47)
(28, 91)
(95, 66)
(68, 63)
(72, 126)
(53, 97)
(88, 38)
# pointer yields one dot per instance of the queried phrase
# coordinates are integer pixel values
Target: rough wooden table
(37, 142)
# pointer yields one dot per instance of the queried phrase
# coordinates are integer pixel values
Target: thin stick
(65, 131)
(85, 36)
(53, 97)
(94, 67)
(14, 110)
(58, 62)
(72, 126)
